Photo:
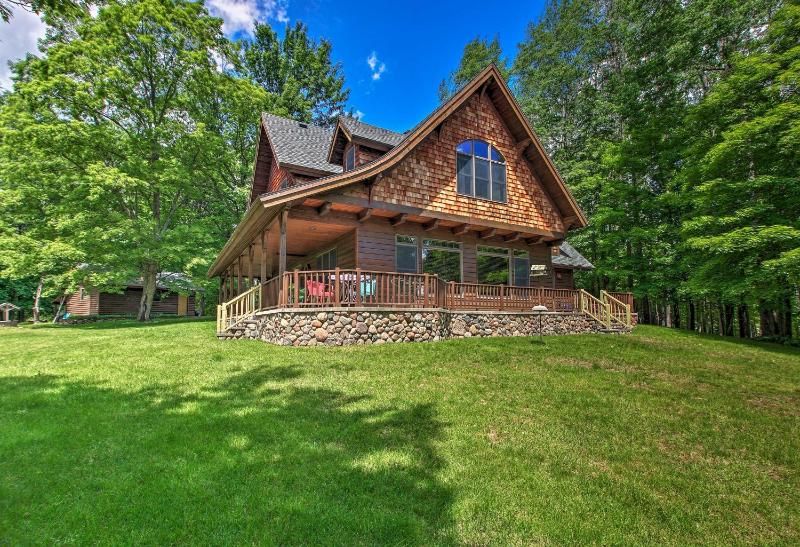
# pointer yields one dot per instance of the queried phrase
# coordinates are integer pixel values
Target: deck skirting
(366, 326)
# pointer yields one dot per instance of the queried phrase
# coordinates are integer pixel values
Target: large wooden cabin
(464, 211)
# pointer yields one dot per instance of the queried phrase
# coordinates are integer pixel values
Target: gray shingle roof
(570, 258)
(358, 128)
(301, 144)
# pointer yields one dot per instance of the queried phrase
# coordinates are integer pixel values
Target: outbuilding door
(182, 304)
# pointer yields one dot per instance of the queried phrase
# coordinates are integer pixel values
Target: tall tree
(478, 54)
(117, 110)
(297, 72)
(743, 178)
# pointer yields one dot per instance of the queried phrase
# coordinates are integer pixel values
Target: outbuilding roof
(569, 257)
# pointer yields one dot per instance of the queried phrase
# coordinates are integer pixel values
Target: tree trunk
(692, 313)
(202, 309)
(668, 315)
(787, 316)
(37, 299)
(149, 279)
(60, 305)
(744, 321)
(727, 326)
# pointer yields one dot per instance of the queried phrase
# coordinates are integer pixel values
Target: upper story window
(350, 158)
(481, 171)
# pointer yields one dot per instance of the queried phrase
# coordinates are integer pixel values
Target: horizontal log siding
(75, 305)
(345, 254)
(127, 303)
(376, 249)
(567, 280)
(426, 178)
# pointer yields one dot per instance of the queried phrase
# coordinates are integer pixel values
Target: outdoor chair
(315, 290)
(367, 288)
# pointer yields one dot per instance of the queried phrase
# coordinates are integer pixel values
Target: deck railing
(365, 288)
(619, 313)
(233, 312)
(477, 296)
(357, 288)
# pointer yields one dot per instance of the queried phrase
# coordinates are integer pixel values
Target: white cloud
(376, 66)
(358, 115)
(18, 37)
(238, 16)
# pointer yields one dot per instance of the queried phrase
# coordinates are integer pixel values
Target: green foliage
(674, 124)
(51, 8)
(743, 174)
(296, 72)
(478, 54)
(127, 147)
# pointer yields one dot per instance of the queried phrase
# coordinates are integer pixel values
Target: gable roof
(299, 144)
(569, 257)
(489, 82)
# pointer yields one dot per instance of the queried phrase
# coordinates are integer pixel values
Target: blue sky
(415, 44)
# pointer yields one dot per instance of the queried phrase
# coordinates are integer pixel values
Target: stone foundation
(348, 326)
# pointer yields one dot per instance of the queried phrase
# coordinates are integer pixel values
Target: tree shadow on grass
(255, 459)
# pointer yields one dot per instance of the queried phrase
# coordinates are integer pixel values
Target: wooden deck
(357, 288)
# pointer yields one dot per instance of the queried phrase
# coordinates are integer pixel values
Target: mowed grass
(160, 434)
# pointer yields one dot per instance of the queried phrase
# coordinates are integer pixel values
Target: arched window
(481, 170)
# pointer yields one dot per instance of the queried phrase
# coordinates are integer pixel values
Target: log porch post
(263, 265)
(239, 269)
(282, 252)
(250, 251)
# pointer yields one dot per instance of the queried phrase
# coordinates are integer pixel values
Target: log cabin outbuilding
(463, 212)
(175, 295)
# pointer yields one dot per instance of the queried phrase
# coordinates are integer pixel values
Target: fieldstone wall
(338, 327)
(465, 325)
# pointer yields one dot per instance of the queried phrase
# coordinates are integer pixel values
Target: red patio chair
(316, 290)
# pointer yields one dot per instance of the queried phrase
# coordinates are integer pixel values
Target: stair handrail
(239, 308)
(595, 308)
(622, 316)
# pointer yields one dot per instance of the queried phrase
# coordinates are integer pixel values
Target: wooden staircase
(613, 314)
(232, 315)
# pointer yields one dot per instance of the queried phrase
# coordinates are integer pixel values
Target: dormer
(355, 143)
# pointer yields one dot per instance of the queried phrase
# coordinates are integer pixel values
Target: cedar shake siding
(277, 176)
(426, 178)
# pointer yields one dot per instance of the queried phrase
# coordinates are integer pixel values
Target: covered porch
(337, 252)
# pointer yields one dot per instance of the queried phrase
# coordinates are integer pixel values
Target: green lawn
(160, 434)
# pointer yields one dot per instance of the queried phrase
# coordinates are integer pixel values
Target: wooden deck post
(425, 289)
(336, 288)
(358, 286)
(296, 283)
(502, 291)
